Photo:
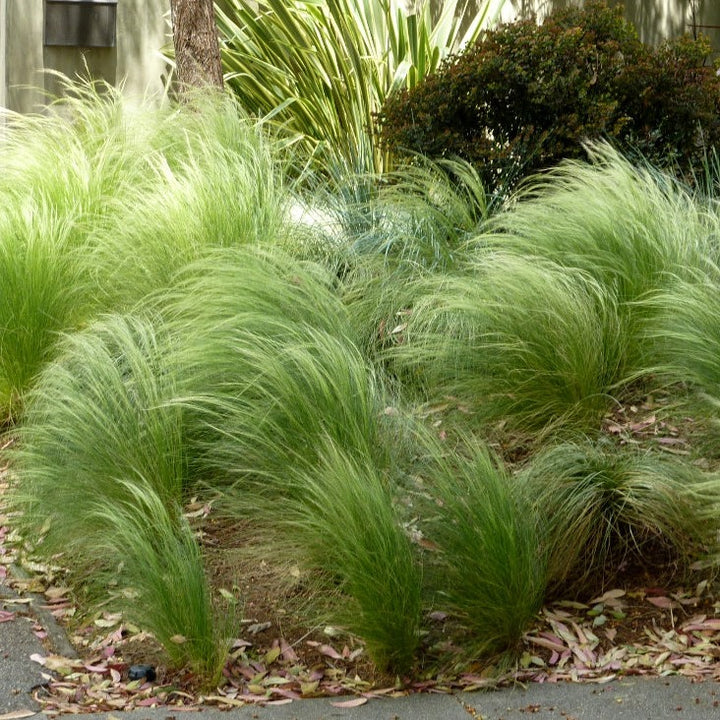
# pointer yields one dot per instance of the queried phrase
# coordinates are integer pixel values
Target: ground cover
(429, 444)
(640, 629)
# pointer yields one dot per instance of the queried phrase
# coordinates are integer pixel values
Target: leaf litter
(678, 636)
(677, 633)
(624, 632)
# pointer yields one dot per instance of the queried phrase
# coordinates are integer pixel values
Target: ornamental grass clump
(684, 333)
(288, 428)
(344, 521)
(622, 224)
(99, 471)
(98, 418)
(218, 192)
(266, 362)
(521, 341)
(488, 564)
(416, 223)
(104, 201)
(43, 291)
(607, 509)
(161, 579)
(59, 179)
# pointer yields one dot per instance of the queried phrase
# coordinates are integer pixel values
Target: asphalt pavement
(631, 698)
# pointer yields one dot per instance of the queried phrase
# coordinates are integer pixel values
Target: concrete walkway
(633, 698)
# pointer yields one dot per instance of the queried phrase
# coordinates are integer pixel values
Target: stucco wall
(3, 82)
(23, 53)
(142, 30)
(656, 20)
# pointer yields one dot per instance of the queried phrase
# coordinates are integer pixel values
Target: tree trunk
(197, 50)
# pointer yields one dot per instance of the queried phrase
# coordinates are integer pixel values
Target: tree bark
(197, 49)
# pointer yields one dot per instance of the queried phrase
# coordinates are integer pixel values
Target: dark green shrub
(526, 96)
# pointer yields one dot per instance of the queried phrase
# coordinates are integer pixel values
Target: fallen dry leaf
(663, 602)
(355, 702)
(330, 651)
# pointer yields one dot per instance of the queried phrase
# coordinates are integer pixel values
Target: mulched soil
(648, 624)
(626, 631)
(622, 633)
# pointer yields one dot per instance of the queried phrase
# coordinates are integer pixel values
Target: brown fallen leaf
(287, 652)
(671, 441)
(609, 596)
(222, 700)
(355, 702)
(713, 624)
(55, 593)
(544, 642)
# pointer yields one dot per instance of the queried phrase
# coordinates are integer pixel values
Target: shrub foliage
(526, 96)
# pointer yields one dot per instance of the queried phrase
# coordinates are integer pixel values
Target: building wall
(656, 20)
(143, 28)
(3, 83)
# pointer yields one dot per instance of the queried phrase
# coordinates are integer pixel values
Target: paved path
(18, 674)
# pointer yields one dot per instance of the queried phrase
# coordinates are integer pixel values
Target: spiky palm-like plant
(323, 69)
